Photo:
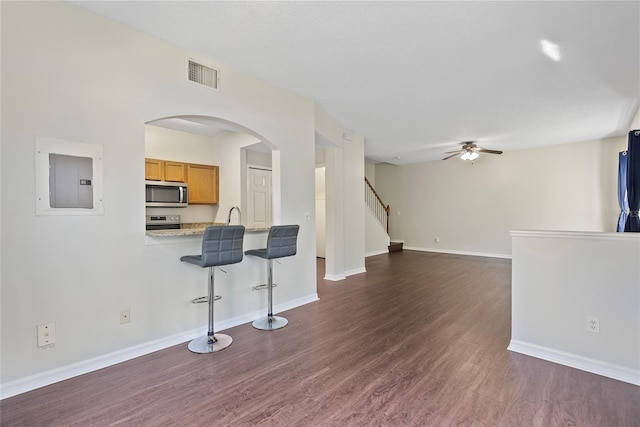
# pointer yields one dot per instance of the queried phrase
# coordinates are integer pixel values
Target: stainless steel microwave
(164, 194)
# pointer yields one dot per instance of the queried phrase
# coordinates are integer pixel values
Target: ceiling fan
(469, 151)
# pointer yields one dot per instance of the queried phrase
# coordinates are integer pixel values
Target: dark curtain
(633, 182)
(622, 190)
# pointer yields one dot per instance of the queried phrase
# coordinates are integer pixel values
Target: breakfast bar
(195, 229)
(178, 283)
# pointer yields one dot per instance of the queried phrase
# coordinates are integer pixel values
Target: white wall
(335, 245)
(256, 158)
(561, 279)
(321, 228)
(99, 82)
(354, 204)
(471, 206)
(344, 190)
(169, 144)
(376, 237)
(635, 124)
(232, 172)
(370, 172)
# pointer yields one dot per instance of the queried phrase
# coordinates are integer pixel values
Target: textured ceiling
(417, 78)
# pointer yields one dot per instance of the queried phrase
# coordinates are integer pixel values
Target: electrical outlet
(125, 315)
(593, 324)
(46, 334)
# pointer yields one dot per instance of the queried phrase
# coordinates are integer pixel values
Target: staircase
(381, 212)
(395, 246)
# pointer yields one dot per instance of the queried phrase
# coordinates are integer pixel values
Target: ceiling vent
(202, 75)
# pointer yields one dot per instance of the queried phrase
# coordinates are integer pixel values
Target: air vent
(202, 75)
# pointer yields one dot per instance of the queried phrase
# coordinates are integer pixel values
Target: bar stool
(221, 245)
(281, 242)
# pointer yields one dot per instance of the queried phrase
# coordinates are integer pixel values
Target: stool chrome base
(270, 323)
(203, 345)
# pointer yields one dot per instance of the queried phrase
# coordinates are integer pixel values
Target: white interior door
(259, 198)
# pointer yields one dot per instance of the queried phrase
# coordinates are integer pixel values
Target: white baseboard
(374, 253)
(52, 376)
(355, 271)
(455, 252)
(288, 305)
(594, 366)
(338, 277)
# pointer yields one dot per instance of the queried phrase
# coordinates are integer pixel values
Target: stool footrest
(263, 286)
(201, 300)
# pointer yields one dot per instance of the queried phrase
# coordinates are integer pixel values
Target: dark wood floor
(420, 339)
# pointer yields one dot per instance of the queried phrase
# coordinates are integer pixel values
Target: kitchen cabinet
(174, 171)
(164, 170)
(203, 184)
(202, 179)
(153, 170)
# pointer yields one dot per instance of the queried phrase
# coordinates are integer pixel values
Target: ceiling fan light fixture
(469, 151)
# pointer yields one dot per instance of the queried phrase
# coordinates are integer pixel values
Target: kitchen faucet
(239, 215)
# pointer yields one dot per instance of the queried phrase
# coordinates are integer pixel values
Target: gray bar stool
(221, 245)
(281, 242)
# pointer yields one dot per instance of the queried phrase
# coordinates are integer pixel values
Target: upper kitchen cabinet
(203, 180)
(153, 169)
(164, 170)
(174, 171)
(203, 184)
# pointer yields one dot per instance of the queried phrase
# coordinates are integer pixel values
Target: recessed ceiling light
(397, 157)
(550, 49)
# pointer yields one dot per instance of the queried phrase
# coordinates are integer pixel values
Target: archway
(205, 140)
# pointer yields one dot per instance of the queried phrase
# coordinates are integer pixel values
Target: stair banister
(377, 206)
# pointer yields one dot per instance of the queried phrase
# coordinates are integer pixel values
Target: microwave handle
(181, 194)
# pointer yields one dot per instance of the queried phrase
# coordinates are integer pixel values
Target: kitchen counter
(195, 229)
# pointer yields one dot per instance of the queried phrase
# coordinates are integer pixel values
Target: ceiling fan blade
(457, 152)
(453, 155)
(484, 150)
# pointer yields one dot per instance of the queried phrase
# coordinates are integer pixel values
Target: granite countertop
(195, 229)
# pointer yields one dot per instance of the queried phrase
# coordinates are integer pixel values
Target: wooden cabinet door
(174, 171)
(153, 169)
(203, 184)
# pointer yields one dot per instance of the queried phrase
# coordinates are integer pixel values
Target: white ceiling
(418, 78)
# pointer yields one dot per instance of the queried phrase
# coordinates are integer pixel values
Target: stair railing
(377, 206)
